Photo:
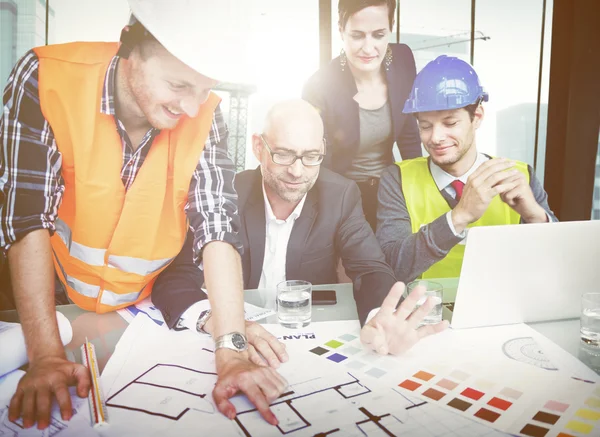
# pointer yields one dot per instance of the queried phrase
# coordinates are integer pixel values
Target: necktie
(458, 187)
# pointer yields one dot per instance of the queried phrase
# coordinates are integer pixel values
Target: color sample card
(487, 415)
(409, 385)
(447, 384)
(581, 427)
(434, 394)
(459, 404)
(455, 392)
(534, 430)
(556, 406)
(548, 418)
(571, 420)
(334, 344)
(472, 393)
(338, 358)
(453, 389)
(425, 376)
(319, 350)
(475, 392)
(347, 350)
(593, 402)
(511, 393)
(499, 403)
(588, 414)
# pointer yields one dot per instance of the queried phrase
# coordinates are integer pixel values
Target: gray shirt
(410, 254)
(374, 151)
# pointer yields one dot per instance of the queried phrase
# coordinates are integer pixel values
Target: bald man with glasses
(297, 221)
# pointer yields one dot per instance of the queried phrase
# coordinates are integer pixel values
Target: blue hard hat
(445, 83)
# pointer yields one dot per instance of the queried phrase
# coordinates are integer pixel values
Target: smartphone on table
(324, 297)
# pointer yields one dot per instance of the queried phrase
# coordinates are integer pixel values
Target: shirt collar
(270, 216)
(107, 103)
(443, 179)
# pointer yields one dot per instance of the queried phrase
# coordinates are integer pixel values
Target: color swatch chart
(347, 350)
(490, 402)
(534, 402)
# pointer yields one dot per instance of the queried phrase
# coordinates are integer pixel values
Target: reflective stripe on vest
(108, 297)
(138, 266)
(425, 203)
(81, 287)
(95, 257)
(115, 299)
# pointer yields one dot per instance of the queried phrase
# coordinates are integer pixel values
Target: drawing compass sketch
(526, 350)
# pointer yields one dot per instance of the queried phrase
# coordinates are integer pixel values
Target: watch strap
(227, 342)
(202, 319)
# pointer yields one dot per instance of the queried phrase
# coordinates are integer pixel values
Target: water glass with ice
(433, 290)
(294, 303)
(590, 319)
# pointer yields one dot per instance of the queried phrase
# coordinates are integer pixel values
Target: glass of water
(294, 303)
(436, 292)
(590, 319)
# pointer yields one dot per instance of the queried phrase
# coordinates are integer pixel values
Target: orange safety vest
(110, 244)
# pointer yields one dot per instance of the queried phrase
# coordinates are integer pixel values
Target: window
(286, 49)
(508, 63)
(22, 27)
(447, 31)
(596, 200)
(86, 20)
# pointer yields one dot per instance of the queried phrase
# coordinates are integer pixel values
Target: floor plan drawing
(161, 384)
(58, 427)
(166, 390)
(352, 409)
(177, 400)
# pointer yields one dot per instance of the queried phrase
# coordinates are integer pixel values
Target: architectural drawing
(176, 400)
(7, 429)
(56, 427)
(352, 409)
(166, 390)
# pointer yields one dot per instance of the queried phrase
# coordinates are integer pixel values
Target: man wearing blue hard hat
(427, 204)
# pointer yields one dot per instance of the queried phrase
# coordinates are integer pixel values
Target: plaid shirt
(31, 185)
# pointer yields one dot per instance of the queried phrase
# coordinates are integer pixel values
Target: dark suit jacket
(332, 91)
(331, 225)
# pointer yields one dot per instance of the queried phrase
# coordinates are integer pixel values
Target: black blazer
(332, 91)
(331, 226)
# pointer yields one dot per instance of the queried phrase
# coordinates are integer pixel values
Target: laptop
(526, 273)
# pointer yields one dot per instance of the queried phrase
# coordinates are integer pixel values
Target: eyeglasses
(309, 160)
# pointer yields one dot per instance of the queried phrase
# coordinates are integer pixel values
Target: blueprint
(146, 307)
(78, 426)
(162, 381)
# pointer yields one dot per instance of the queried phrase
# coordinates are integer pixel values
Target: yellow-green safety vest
(425, 203)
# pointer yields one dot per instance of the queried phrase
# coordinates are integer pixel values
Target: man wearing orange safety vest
(426, 205)
(110, 153)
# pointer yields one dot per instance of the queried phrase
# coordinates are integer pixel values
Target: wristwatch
(234, 340)
(202, 319)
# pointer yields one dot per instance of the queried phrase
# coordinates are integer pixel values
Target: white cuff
(189, 318)
(372, 314)
(463, 234)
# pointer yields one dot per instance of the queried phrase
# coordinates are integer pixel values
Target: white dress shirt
(273, 272)
(277, 236)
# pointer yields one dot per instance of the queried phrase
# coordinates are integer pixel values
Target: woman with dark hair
(360, 95)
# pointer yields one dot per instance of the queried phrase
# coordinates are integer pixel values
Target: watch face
(238, 341)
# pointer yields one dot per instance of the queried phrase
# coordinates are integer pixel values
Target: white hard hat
(210, 36)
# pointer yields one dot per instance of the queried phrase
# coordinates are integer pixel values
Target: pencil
(96, 396)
